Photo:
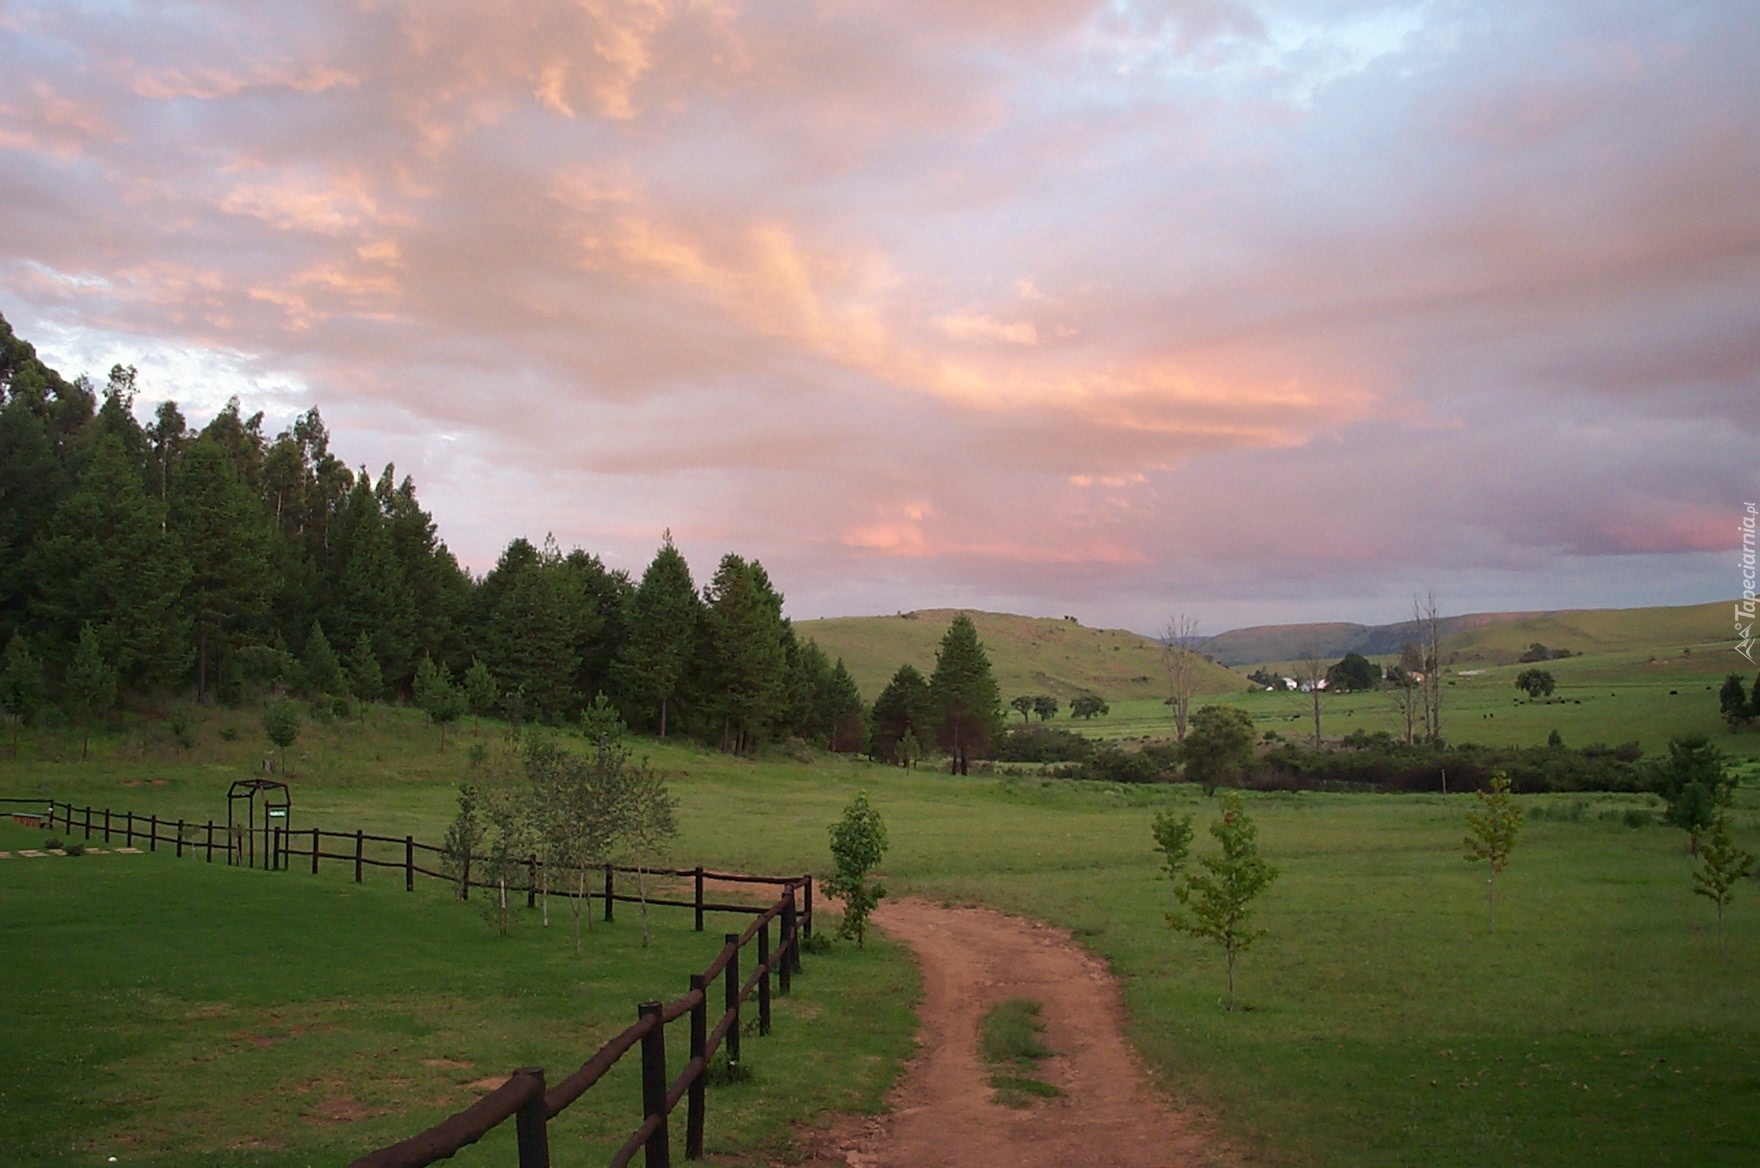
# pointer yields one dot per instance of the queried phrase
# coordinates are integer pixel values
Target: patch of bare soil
(941, 1114)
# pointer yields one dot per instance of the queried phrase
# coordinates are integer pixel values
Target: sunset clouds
(1263, 311)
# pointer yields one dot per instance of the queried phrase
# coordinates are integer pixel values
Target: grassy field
(169, 1012)
(1387, 1027)
(1029, 655)
(1611, 697)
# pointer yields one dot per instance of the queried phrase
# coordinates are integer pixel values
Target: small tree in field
(1721, 865)
(463, 838)
(1173, 839)
(90, 684)
(1023, 705)
(858, 841)
(1492, 834)
(480, 691)
(281, 724)
(21, 684)
(1218, 901)
(650, 824)
(436, 696)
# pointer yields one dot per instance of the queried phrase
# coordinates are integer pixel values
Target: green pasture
(1611, 698)
(169, 1012)
(1385, 1025)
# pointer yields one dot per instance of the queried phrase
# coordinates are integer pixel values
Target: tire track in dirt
(941, 1114)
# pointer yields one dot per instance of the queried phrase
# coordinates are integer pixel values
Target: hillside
(1664, 631)
(1028, 654)
(1490, 637)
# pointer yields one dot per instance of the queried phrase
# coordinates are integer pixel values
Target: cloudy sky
(1260, 311)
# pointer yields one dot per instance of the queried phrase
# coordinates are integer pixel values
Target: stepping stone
(128, 851)
(93, 852)
(5, 855)
(55, 852)
(31, 854)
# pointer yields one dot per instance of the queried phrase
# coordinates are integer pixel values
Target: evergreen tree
(323, 672)
(966, 701)
(367, 589)
(364, 675)
(480, 689)
(1732, 701)
(746, 653)
(529, 636)
(225, 539)
(436, 696)
(111, 562)
(809, 683)
(665, 614)
(21, 683)
(601, 622)
(845, 715)
(32, 481)
(902, 710)
(90, 685)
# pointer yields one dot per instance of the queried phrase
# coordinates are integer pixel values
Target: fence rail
(525, 1098)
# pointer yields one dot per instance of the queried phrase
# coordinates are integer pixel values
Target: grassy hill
(1028, 654)
(1663, 632)
(1493, 638)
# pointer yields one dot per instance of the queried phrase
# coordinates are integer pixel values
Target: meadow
(1385, 1024)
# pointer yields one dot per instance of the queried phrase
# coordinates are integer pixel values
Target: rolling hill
(1492, 638)
(1029, 655)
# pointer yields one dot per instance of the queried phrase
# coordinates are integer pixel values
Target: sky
(1256, 312)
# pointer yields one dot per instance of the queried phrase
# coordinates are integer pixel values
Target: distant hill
(1494, 638)
(1030, 655)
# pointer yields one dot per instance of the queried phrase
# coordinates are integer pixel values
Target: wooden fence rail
(525, 1097)
(284, 845)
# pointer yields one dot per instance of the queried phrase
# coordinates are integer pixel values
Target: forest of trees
(145, 562)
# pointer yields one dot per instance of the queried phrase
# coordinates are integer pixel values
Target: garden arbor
(241, 837)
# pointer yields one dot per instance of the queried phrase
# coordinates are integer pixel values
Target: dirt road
(941, 1112)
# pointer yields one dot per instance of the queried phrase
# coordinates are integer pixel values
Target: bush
(1109, 764)
(1043, 744)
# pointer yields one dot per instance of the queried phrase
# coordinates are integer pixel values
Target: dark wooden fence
(525, 1098)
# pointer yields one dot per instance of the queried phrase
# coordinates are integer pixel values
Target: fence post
(106, 825)
(272, 861)
(180, 839)
(807, 918)
(532, 884)
(409, 863)
(128, 838)
(153, 834)
(315, 850)
(609, 869)
(699, 875)
(210, 841)
(764, 979)
(654, 1084)
(732, 998)
(359, 845)
(530, 1124)
(693, 1127)
(464, 885)
(790, 933)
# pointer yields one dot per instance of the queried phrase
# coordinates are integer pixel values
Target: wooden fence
(525, 1097)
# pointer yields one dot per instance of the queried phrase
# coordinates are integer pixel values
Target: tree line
(144, 560)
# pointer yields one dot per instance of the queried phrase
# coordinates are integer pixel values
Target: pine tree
(966, 701)
(665, 614)
(224, 537)
(90, 685)
(529, 635)
(480, 689)
(364, 675)
(436, 696)
(902, 710)
(111, 562)
(845, 715)
(21, 684)
(747, 653)
(367, 589)
(323, 672)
